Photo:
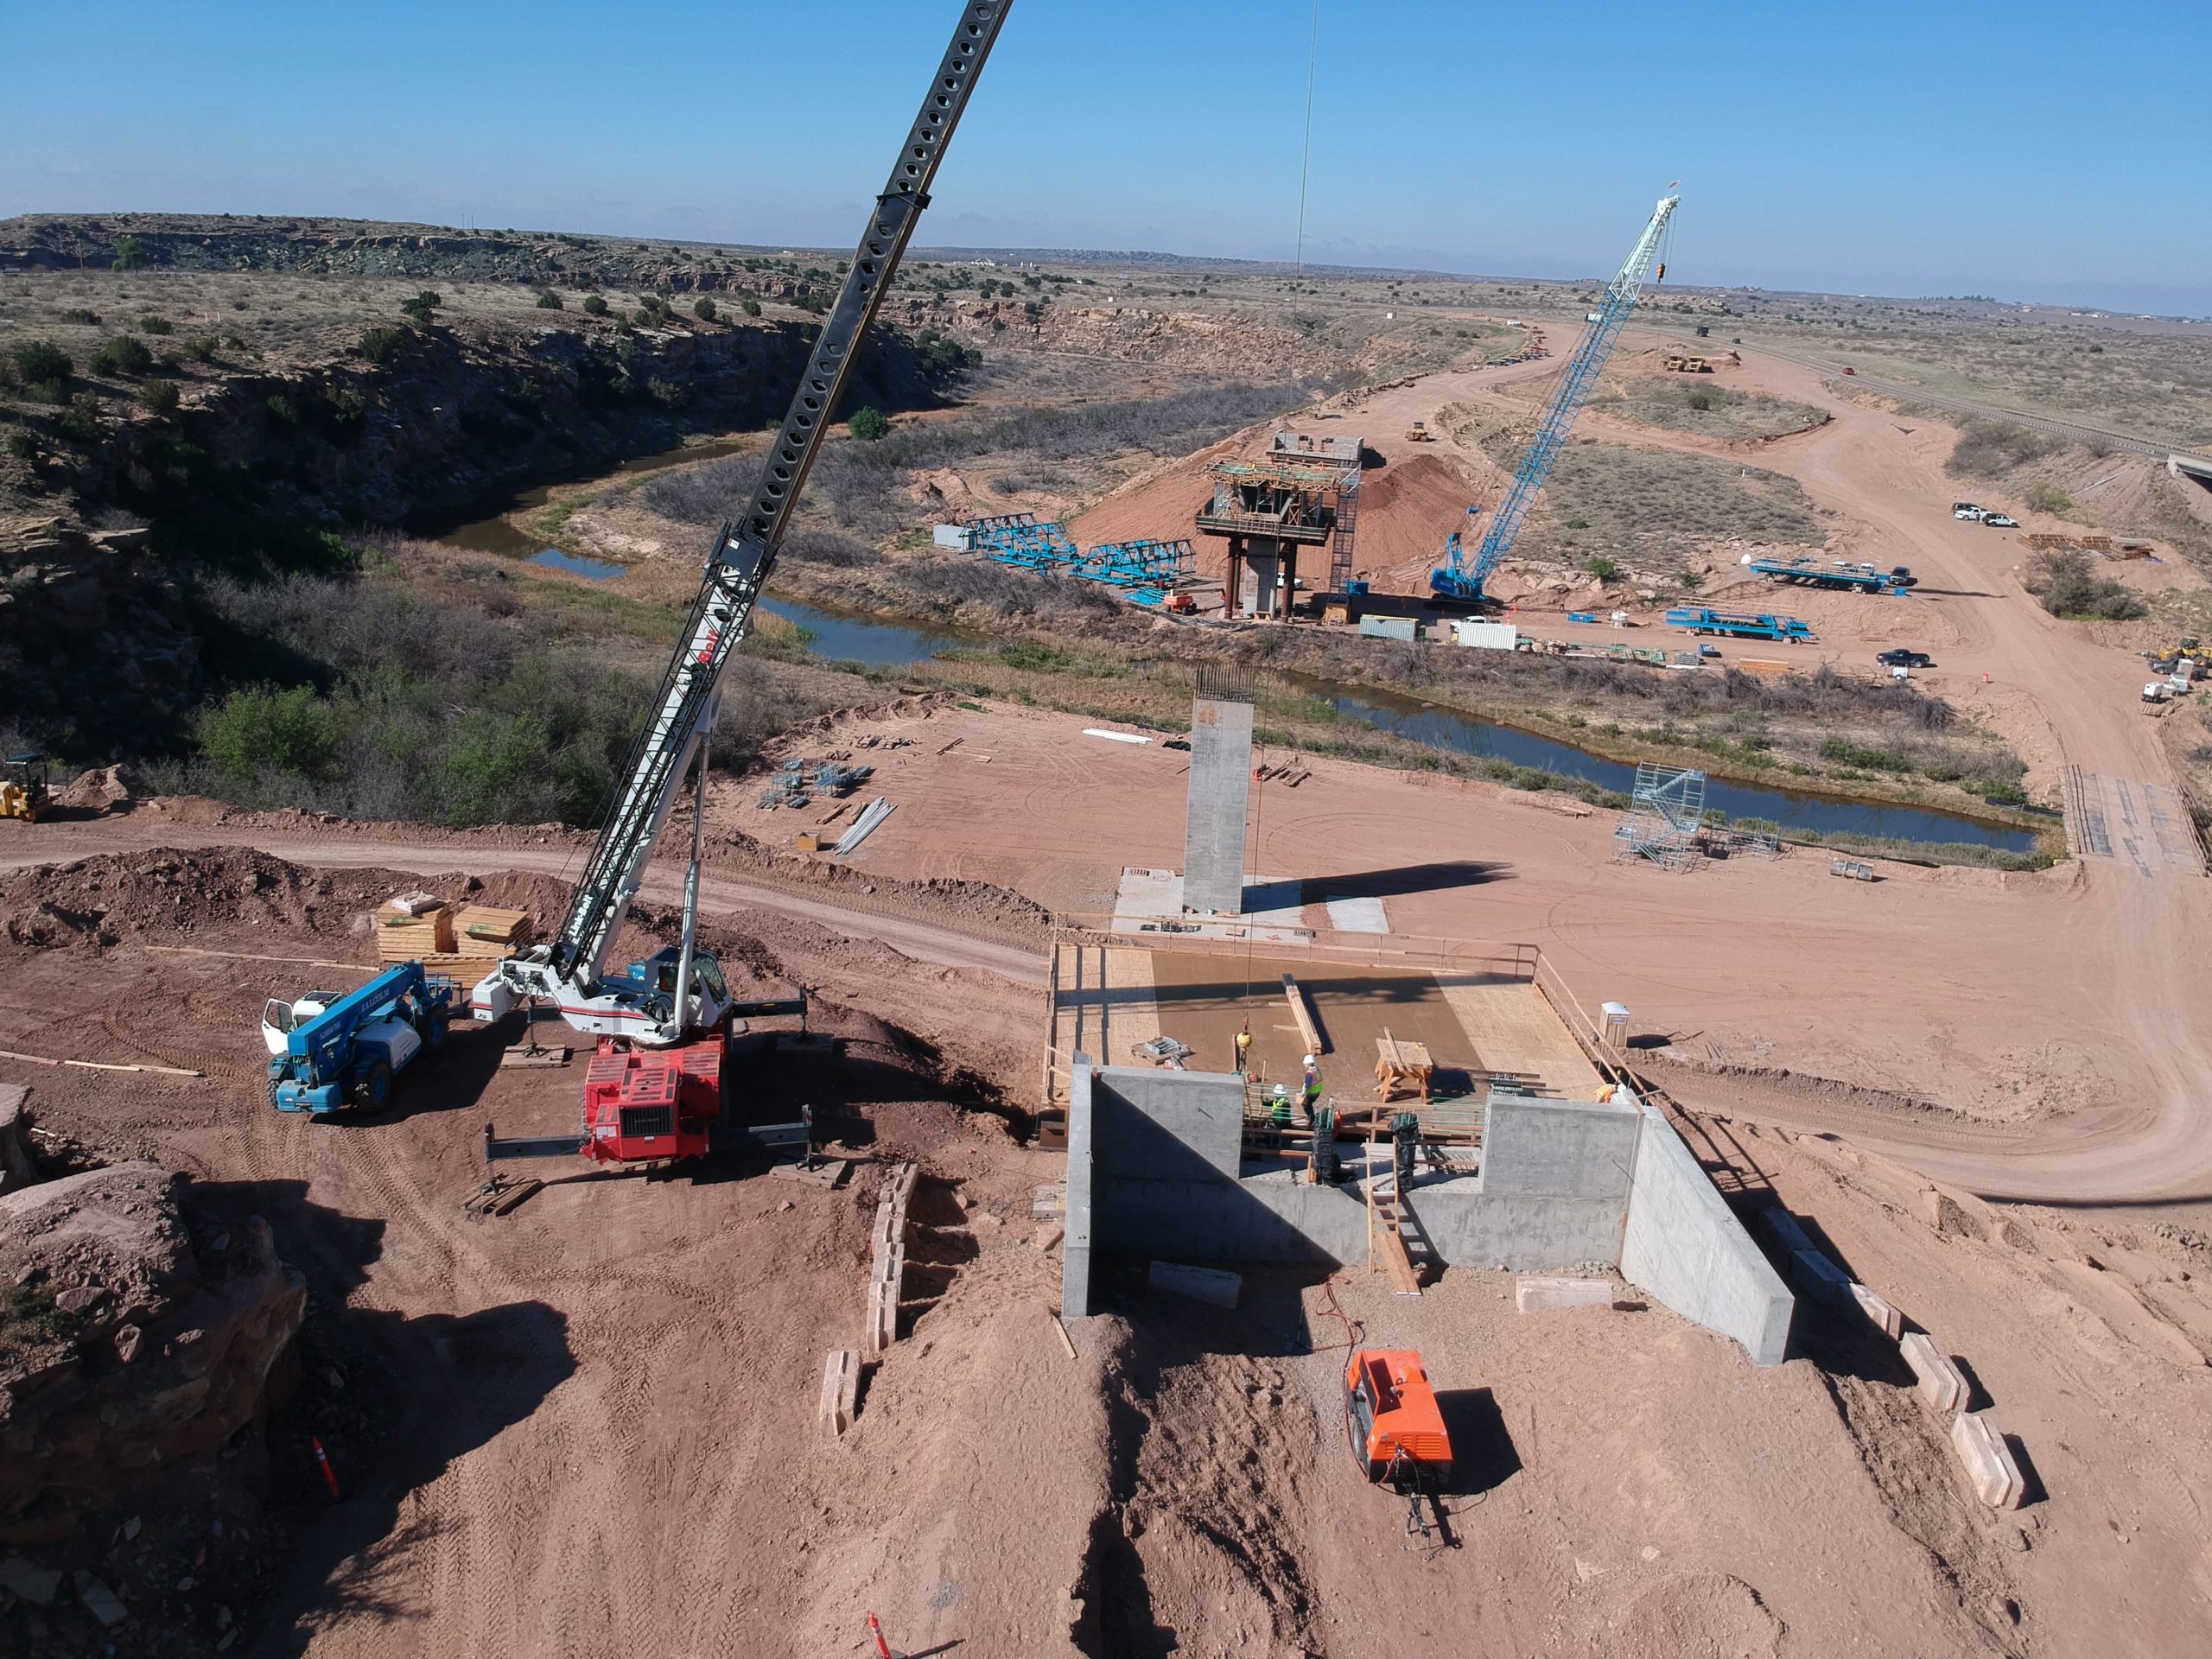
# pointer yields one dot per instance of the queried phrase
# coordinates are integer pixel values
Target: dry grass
(1694, 404)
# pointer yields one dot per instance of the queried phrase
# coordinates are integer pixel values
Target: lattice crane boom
(1462, 577)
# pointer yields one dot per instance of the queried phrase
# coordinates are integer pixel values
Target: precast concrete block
(1991, 1471)
(1940, 1382)
(1534, 1295)
(1879, 1312)
(1820, 1278)
(1784, 1225)
(1210, 1285)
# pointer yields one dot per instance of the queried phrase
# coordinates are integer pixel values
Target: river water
(841, 637)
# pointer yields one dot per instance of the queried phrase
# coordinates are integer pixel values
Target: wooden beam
(1302, 1011)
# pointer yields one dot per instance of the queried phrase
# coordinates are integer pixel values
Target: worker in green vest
(1279, 1107)
(1311, 1096)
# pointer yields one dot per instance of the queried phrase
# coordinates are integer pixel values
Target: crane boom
(570, 969)
(1462, 578)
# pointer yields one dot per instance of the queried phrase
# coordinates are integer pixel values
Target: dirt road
(2131, 950)
(944, 945)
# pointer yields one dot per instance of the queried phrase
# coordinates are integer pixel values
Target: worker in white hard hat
(1310, 1096)
(1279, 1107)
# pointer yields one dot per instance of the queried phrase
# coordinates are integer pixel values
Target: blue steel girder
(1144, 563)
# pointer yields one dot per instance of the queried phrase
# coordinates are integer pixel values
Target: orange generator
(1391, 1417)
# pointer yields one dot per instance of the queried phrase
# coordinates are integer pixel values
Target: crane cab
(1392, 1418)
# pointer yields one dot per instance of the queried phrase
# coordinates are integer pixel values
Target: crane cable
(1305, 154)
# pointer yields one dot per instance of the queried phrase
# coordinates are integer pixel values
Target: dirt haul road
(2133, 949)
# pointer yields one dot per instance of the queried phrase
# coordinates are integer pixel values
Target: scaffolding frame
(1666, 812)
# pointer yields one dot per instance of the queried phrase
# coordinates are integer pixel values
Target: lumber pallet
(1302, 1011)
(407, 938)
(487, 925)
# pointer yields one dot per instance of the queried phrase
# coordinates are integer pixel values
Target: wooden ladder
(1386, 1240)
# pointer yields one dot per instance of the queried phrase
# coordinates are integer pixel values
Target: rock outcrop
(124, 1344)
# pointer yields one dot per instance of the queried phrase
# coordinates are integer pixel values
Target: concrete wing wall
(1685, 1246)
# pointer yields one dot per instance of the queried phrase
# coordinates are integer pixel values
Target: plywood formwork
(1103, 1005)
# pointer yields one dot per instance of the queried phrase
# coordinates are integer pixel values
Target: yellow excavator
(22, 788)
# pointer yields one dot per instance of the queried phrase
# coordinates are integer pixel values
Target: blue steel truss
(1018, 539)
(1139, 563)
(1459, 578)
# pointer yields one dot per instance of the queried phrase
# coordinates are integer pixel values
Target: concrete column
(1221, 790)
(1075, 1245)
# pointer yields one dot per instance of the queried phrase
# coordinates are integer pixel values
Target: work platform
(1487, 1018)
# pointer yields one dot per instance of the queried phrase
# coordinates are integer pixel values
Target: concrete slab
(1990, 1467)
(1151, 901)
(1543, 1295)
(1210, 1285)
(1940, 1382)
(1358, 915)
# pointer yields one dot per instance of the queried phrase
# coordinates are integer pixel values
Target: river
(839, 636)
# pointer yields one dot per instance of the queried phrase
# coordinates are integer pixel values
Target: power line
(1306, 156)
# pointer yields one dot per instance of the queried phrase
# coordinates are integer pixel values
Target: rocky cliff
(131, 1340)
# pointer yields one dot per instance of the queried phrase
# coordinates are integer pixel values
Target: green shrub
(751, 307)
(160, 397)
(282, 410)
(1602, 568)
(154, 323)
(870, 425)
(81, 419)
(2069, 585)
(594, 305)
(703, 309)
(77, 314)
(2048, 497)
(382, 346)
(666, 393)
(129, 253)
(548, 300)
(201, 348)
(22, 444)
(123, 354)
(39, 359)
(420, 307)
(259, 729)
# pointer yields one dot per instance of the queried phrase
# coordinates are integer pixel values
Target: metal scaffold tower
(1666, 810)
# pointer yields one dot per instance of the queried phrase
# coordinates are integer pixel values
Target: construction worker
(1243, 1049)
(1311, 1096)
(1279, 1107)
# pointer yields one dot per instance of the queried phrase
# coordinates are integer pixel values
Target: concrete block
(1784, 1225)
(1820, 1278)
(1941, 1383)
(840, 1387)
(1541, 1295)
(14, 1145)
(1996, 1479)
(1210, 1285)
(1050, 1202)
(1879, 1312)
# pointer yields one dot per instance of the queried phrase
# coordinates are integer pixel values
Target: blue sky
(2030, 150)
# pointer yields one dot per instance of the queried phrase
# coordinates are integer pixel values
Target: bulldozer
(23, 793)
(1418, 432)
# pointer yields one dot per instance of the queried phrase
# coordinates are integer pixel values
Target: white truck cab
(1967, 510)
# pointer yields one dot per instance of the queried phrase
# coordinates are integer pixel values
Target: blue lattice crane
(1462, 577)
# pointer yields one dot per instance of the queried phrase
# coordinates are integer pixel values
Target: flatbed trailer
(1837, 573)
(1740, 625)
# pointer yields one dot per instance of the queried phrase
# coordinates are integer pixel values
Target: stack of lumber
(483, 935)
(401, 937)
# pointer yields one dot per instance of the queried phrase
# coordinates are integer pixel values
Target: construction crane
(678, 999)
(1462, 577)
